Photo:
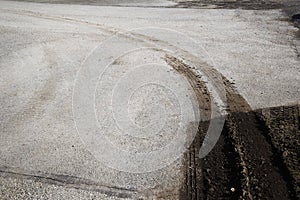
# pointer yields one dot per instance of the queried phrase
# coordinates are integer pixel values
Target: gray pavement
(50, 146)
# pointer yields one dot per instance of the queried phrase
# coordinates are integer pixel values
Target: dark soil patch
(238, 4)
(296, 17)
(256, 157)
(258, 161)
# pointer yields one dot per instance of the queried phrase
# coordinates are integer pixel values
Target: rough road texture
(256, 157)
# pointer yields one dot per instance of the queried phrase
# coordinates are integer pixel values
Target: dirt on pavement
(256, 157)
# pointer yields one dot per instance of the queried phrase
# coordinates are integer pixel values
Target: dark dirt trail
(249, 160)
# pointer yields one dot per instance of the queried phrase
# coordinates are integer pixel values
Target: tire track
(241, 165)
(68, 181)
(192, 185)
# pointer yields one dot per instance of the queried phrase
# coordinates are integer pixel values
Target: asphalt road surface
(149, 99)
